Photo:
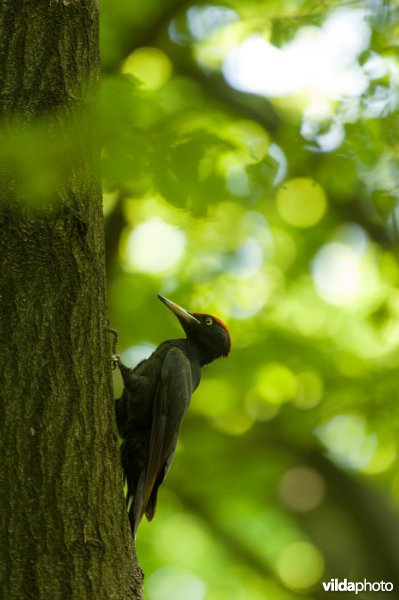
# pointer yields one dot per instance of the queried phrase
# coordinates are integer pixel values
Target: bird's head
(208, 333)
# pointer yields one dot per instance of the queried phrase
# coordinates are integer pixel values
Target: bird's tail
(135, 503)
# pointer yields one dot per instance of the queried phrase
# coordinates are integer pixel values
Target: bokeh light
(248, 259)
(311, 62)
(301, 489)
(349, 440)
(235, 422)
(337, 271)
(300, 565)
(276, 383)
(384, 457)
(301, 202)
(203, 21)
(310, 389)
(150, 66)
(154, 246)
(134, 354)
(171, 582)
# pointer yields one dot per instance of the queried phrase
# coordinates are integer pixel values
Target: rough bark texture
(64, 533)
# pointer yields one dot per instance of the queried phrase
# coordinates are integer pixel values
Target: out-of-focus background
(250, 168)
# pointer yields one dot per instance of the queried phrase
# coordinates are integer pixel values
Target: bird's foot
(115, 358)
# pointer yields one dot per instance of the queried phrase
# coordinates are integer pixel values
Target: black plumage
(155, 398)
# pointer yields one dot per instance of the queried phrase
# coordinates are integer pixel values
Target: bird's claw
(115, 358)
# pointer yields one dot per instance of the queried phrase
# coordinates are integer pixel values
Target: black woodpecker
(155, 398)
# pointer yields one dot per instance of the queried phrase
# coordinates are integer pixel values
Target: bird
(155, 397)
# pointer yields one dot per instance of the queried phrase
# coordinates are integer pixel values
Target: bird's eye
(208, 321)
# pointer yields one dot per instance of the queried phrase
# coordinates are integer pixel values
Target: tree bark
(64, 532)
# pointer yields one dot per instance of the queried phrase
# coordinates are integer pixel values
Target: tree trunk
(64, 532)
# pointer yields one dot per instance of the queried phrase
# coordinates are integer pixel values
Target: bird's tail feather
(135, 507)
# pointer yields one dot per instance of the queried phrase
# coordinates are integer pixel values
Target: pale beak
(181, 313)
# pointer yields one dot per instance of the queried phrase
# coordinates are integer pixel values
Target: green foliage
(278, 213)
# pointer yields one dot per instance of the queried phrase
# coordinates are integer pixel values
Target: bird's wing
(170, 404)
